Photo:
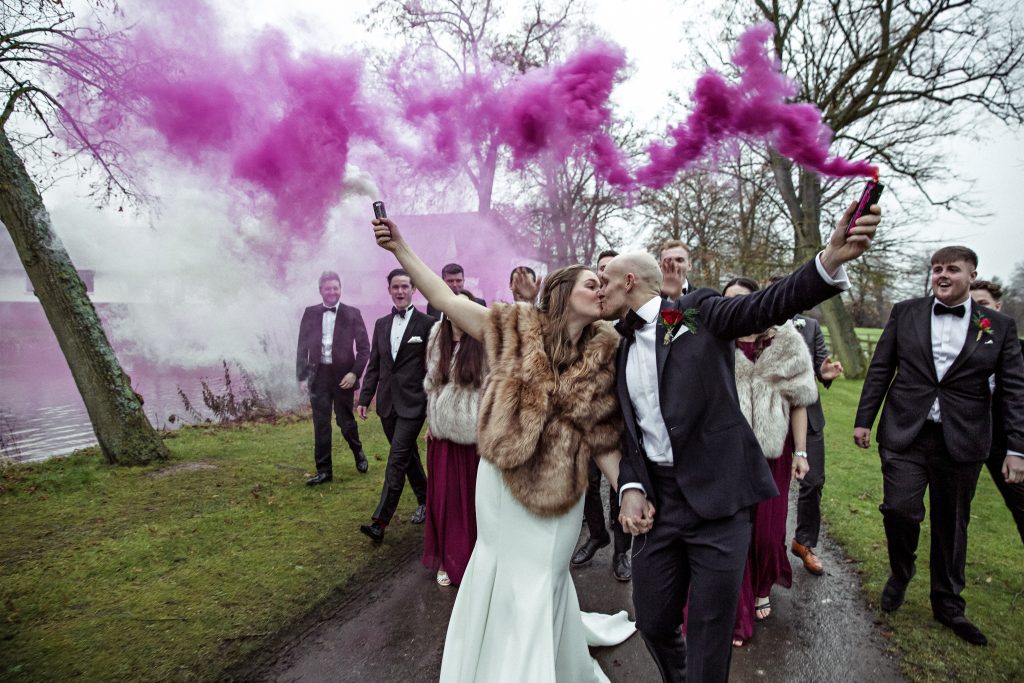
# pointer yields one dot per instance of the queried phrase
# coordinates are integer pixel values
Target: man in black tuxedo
(691, 467)
(455, 277)
(931, 366)
(674, 259)
(325, 362)
(808, 506)
(395, 374)
(989, 294)
(593, 509)
(522, 282)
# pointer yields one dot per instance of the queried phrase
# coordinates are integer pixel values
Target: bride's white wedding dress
(517, 617)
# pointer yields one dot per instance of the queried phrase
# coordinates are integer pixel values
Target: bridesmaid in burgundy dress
(775, 383)
(454, 384)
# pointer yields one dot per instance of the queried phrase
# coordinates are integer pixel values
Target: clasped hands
(636, 513)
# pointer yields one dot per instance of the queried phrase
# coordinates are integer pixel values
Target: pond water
(42, 414)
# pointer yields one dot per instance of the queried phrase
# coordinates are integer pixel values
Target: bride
(549, 406)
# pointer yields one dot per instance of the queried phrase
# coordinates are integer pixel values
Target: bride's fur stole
(781, 377)
(542, 433)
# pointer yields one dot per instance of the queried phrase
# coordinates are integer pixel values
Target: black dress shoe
(374, 531)
(588, 550)
(318, 478)
(892, 595)
(361, 463)
(964, 629)
(420, 515)
(622, 566)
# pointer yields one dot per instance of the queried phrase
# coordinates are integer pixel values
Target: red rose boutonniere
(982, 324)
(673, 318)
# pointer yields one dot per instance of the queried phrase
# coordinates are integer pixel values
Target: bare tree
(726, 214)
(467, 38)
(892, 79)
(42, 55)
(569, 218)
(1013, 297)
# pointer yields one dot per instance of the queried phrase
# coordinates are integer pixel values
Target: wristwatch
(800, 454)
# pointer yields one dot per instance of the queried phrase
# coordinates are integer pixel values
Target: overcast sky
(651, 31)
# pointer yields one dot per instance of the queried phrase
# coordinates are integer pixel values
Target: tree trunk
(115, 410)
(485, 179)
(805, 209)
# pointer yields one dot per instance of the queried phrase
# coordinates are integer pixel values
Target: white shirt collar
(649, 311)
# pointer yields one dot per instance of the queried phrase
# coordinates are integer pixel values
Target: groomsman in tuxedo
(395, 374)
(522, 282)
(990, 294)
(593, 509)
(674, 259)
(455, 277)
(808, 506)
(691, 467)
(932, 366)
(326, 364)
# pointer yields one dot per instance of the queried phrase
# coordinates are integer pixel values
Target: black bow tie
(942, 309)
(628, 326)
(332, 309)
(399, 313)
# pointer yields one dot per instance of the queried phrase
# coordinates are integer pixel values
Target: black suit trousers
(403, 461)
(1013, 494)
(808, 505)
(927, 465)
(593, 511)
(324, 396)
(688, 557)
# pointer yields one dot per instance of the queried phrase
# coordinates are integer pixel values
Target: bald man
(691, 466)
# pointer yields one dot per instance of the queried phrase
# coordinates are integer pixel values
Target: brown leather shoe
(810, 560)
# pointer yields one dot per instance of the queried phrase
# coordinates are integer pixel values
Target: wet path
(394, 628)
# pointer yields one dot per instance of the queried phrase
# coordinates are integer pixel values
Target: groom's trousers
(688, 557)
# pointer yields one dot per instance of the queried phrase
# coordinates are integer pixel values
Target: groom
(689, 455)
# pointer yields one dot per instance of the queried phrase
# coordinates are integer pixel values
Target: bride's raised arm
(468, 315)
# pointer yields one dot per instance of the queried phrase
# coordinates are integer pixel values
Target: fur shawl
(781, 377)
(452, 409)
(541, 433)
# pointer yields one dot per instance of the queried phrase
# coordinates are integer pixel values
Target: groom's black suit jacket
(717, 461)
(902, 372)
(398, 382)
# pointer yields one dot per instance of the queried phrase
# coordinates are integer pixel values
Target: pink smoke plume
(276, 123)
(755, 107)
(564, 109)
(279, 124)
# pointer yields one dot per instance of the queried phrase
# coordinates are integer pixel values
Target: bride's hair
(554, 304)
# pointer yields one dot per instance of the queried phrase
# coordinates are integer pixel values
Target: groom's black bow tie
(628, 326)
(400, 313)
(943, 309)
(332, 309)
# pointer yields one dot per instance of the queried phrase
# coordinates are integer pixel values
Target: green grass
(995, 562)
(113, 574)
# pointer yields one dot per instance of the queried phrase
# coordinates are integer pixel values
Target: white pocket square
(989, 341)
(415, 340)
